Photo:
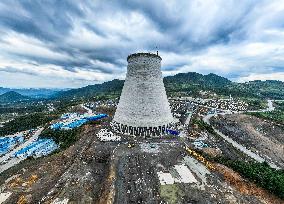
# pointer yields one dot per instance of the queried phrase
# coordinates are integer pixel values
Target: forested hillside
(191, 83)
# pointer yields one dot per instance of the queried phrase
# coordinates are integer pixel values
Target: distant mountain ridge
(12, 96)
(196, 78)
(194, 82)
(114, 86)
(191, 82)
(270, 88)
(32, 92)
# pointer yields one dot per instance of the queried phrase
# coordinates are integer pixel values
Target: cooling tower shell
(143, 107)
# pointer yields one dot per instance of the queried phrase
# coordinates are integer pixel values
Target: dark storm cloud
(46, 20)
(172, 22)
(74, 38)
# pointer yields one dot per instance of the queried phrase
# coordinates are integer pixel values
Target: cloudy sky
(46, 43)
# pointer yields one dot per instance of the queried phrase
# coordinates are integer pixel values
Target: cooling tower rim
(143, 54)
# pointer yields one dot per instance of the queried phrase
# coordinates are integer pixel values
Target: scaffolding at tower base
(140, 131)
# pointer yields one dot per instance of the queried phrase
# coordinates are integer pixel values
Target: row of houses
(70, 121)
(8, 143)
(38, 148)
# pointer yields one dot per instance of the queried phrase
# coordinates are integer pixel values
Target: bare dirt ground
(256, 134)
(76, 173)
(110, 172)
(137, 180)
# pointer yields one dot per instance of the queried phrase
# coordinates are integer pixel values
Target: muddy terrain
(76, 173)
(258, 135)
(116, 172)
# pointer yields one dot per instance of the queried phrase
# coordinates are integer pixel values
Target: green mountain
(110, 87)
(194, 82)
(267, 89)
(12, 96)
(32, 92)
(198, 79)
(191, 83)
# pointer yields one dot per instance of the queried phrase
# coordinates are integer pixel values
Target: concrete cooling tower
(143, 108)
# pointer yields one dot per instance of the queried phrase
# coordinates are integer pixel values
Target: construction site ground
(91, 171)
(259, 135)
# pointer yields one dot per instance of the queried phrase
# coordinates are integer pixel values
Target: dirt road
(257, 135)
(239, 146)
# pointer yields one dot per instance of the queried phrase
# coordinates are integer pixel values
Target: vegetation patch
(259, 173)
(171, 193)
(189, 83)
(65, 138)
(21, 109)
(203, 126)
(255, 104)
(26, 122)
(276, 116)
(279, 105)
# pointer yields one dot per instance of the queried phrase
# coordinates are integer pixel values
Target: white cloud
(265, 76)
(20, 44)
(54, 72)
(88, 42)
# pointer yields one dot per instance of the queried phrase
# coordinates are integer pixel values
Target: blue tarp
(56, 126)
(75, 124)
(44, 146)
(6, 143)
(78, 122)
(64, 116)
(96, 117)
(47, 149)
(173, 132)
